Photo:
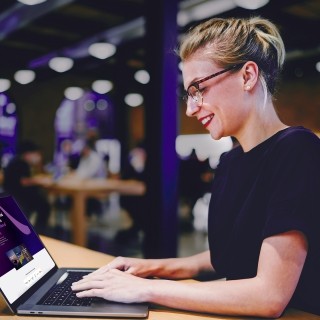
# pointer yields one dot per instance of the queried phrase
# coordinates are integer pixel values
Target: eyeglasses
(193, 90)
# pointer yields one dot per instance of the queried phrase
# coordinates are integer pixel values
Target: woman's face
(223, 111)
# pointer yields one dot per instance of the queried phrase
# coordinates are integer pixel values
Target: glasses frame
(196, 83)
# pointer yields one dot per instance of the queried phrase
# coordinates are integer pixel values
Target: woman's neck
(259, 127)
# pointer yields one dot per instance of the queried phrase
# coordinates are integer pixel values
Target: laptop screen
(23, 258)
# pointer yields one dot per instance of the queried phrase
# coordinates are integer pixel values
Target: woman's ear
(250, 75)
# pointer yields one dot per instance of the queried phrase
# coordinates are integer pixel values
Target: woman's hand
(114, 285)
(139, 267)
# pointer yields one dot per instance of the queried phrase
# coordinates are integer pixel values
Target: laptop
(32, 283)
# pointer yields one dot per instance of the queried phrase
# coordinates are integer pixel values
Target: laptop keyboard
(62, 295)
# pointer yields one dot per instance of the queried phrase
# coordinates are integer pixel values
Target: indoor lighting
(5, 84)
(31, 2)
(11, 108)
(61, 64)
(142, 76)
(3, 100)
(102, 104)
(73, 93)
(89, 105)
(199, 10)
(102, 86)
(102, 50)
(318, 66)
(133, 99)
(251, 5)
(24, 76)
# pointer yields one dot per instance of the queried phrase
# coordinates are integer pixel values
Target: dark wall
(298, 102)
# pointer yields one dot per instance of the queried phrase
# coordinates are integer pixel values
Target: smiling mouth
(206, 120)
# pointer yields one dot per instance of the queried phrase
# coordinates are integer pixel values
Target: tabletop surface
(70, 255)
(72, 183)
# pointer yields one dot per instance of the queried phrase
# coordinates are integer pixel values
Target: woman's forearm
(241, 297)
(180, 268)
(267, 294)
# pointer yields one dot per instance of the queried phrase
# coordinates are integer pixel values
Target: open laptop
(31, 282)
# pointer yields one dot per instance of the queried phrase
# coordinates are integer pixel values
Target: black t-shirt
(273, 188)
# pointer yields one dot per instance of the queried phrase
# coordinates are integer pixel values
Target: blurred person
(65, 161)
(66, 158)
(263, 225)
(192, 183)
(20, 182)
(134, 205)
(91, 166)
(195, 179)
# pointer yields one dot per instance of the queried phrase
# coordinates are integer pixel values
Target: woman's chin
(215, 135)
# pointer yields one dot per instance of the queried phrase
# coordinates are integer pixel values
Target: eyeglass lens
(194, 93)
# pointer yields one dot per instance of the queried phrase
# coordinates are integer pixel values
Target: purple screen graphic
(15, 232)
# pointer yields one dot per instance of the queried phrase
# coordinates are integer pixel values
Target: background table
(70, 255)
(80, 190)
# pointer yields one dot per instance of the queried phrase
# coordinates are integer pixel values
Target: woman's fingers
(114, 285)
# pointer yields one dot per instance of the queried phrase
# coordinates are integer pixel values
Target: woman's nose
(192, 108)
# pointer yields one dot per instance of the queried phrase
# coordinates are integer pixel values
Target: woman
(263, 216)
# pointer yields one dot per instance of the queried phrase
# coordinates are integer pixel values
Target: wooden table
(70, 255)
(80, 190)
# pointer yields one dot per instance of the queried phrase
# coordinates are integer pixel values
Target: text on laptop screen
(23, 258)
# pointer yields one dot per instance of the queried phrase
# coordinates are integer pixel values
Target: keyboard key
(61, 294)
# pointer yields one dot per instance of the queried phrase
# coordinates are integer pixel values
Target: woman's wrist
(174, 268)
(156, 290)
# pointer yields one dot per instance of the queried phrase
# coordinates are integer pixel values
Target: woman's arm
(280, 264)
(266, 295)
(174, 268)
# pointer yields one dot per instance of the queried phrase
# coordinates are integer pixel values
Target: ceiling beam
(20, 15)
(117, 35)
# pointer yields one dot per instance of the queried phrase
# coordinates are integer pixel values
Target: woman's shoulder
(287, 142)
(232, 155)
(297, 137)
(298, 131)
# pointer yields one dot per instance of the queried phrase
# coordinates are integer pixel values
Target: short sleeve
(295, 193)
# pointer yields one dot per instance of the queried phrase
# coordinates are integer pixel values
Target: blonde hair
(233, 41)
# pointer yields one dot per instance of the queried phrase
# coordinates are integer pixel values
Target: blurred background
(74, 68)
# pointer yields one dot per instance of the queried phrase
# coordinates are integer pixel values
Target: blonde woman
(264, 217)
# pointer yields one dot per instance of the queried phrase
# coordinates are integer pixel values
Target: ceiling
(31, 35)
